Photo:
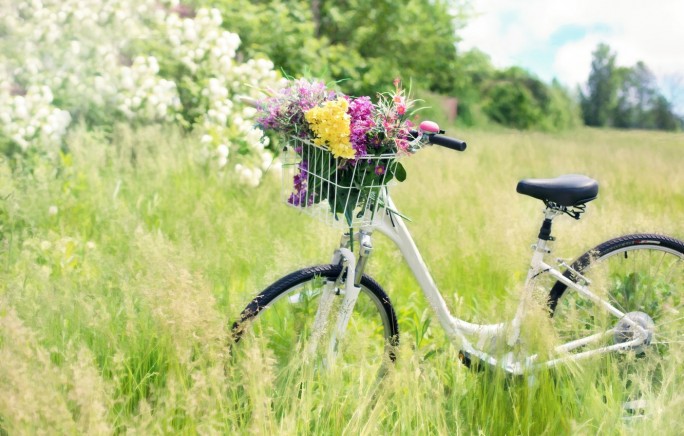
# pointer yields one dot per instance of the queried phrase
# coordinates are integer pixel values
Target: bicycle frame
(390, 223)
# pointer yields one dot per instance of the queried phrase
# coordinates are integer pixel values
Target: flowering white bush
(209, 52)
(140, 93)
(143, 61)
(31, 118)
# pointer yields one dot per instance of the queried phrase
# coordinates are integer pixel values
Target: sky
(555, 38)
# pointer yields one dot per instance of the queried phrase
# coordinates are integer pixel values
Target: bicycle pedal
(465, 358)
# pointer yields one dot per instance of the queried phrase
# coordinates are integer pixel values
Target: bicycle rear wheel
(642, 275)
(281, 320)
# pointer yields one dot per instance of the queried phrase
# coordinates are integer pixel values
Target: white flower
(221, 118)
(84, 38)
(127, 81)
(52, 210)
(249, 176)
(253, 138)
(222, 150)
(256, 177)
(154, 65)
(266, 160)
(20, 110)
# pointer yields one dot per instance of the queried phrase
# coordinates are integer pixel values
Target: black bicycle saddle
(568, 190)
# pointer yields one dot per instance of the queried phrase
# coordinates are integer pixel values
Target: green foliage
(395, 40)
(602, 85)
(473, 71)
(512, 104)
(563, 110)
(364, 44)
(517, 99)
(625, 97)
(663, 116)
(281, 30)
(512, 97)
(635, 94)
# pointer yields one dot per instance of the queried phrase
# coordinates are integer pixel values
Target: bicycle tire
(604, 250)
(362, 324)
(638, 274)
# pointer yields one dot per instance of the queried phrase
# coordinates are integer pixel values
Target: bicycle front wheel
(282, 317)
(641, 275)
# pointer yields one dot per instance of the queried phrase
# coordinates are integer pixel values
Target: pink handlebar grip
(429, 126)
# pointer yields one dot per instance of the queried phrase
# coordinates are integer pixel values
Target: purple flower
(284, 112)
(300, 197)
(361, 114)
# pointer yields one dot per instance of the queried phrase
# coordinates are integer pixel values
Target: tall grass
(122, 271)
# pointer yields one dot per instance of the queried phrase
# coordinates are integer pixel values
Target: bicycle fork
(350, 290)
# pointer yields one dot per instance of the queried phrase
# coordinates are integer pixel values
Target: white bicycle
(625, 295)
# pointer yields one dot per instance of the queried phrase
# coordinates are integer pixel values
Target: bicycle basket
(339, 192)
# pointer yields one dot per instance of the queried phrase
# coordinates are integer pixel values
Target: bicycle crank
(626, 330)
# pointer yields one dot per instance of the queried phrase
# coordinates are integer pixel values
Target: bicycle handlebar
(445, 141)
(434, 135)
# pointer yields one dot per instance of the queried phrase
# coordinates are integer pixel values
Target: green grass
(115, 312)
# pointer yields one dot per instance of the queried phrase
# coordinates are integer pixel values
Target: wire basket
(339, 192)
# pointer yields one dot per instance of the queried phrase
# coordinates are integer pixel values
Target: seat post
(540, 250)
(545, 230)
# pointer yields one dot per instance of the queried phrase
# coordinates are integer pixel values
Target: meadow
(123, 268)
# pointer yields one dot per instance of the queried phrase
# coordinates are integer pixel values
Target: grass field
(122, 271)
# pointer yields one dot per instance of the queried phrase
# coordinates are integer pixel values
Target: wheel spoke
(671, 321)
(644, 281)
(286, 325)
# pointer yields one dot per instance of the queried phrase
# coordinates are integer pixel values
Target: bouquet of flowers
(347, 147)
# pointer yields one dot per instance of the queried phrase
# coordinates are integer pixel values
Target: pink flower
(402, 144)
(401, 108)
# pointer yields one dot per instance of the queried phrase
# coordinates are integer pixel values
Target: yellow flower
(330, 123)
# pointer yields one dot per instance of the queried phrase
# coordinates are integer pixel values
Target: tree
(601, 90)
(281, 30)
(625, 97)
(413, 39)
(362, 44)
(663, 116)
(518, 99)
(635, 98)
(473, 70)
